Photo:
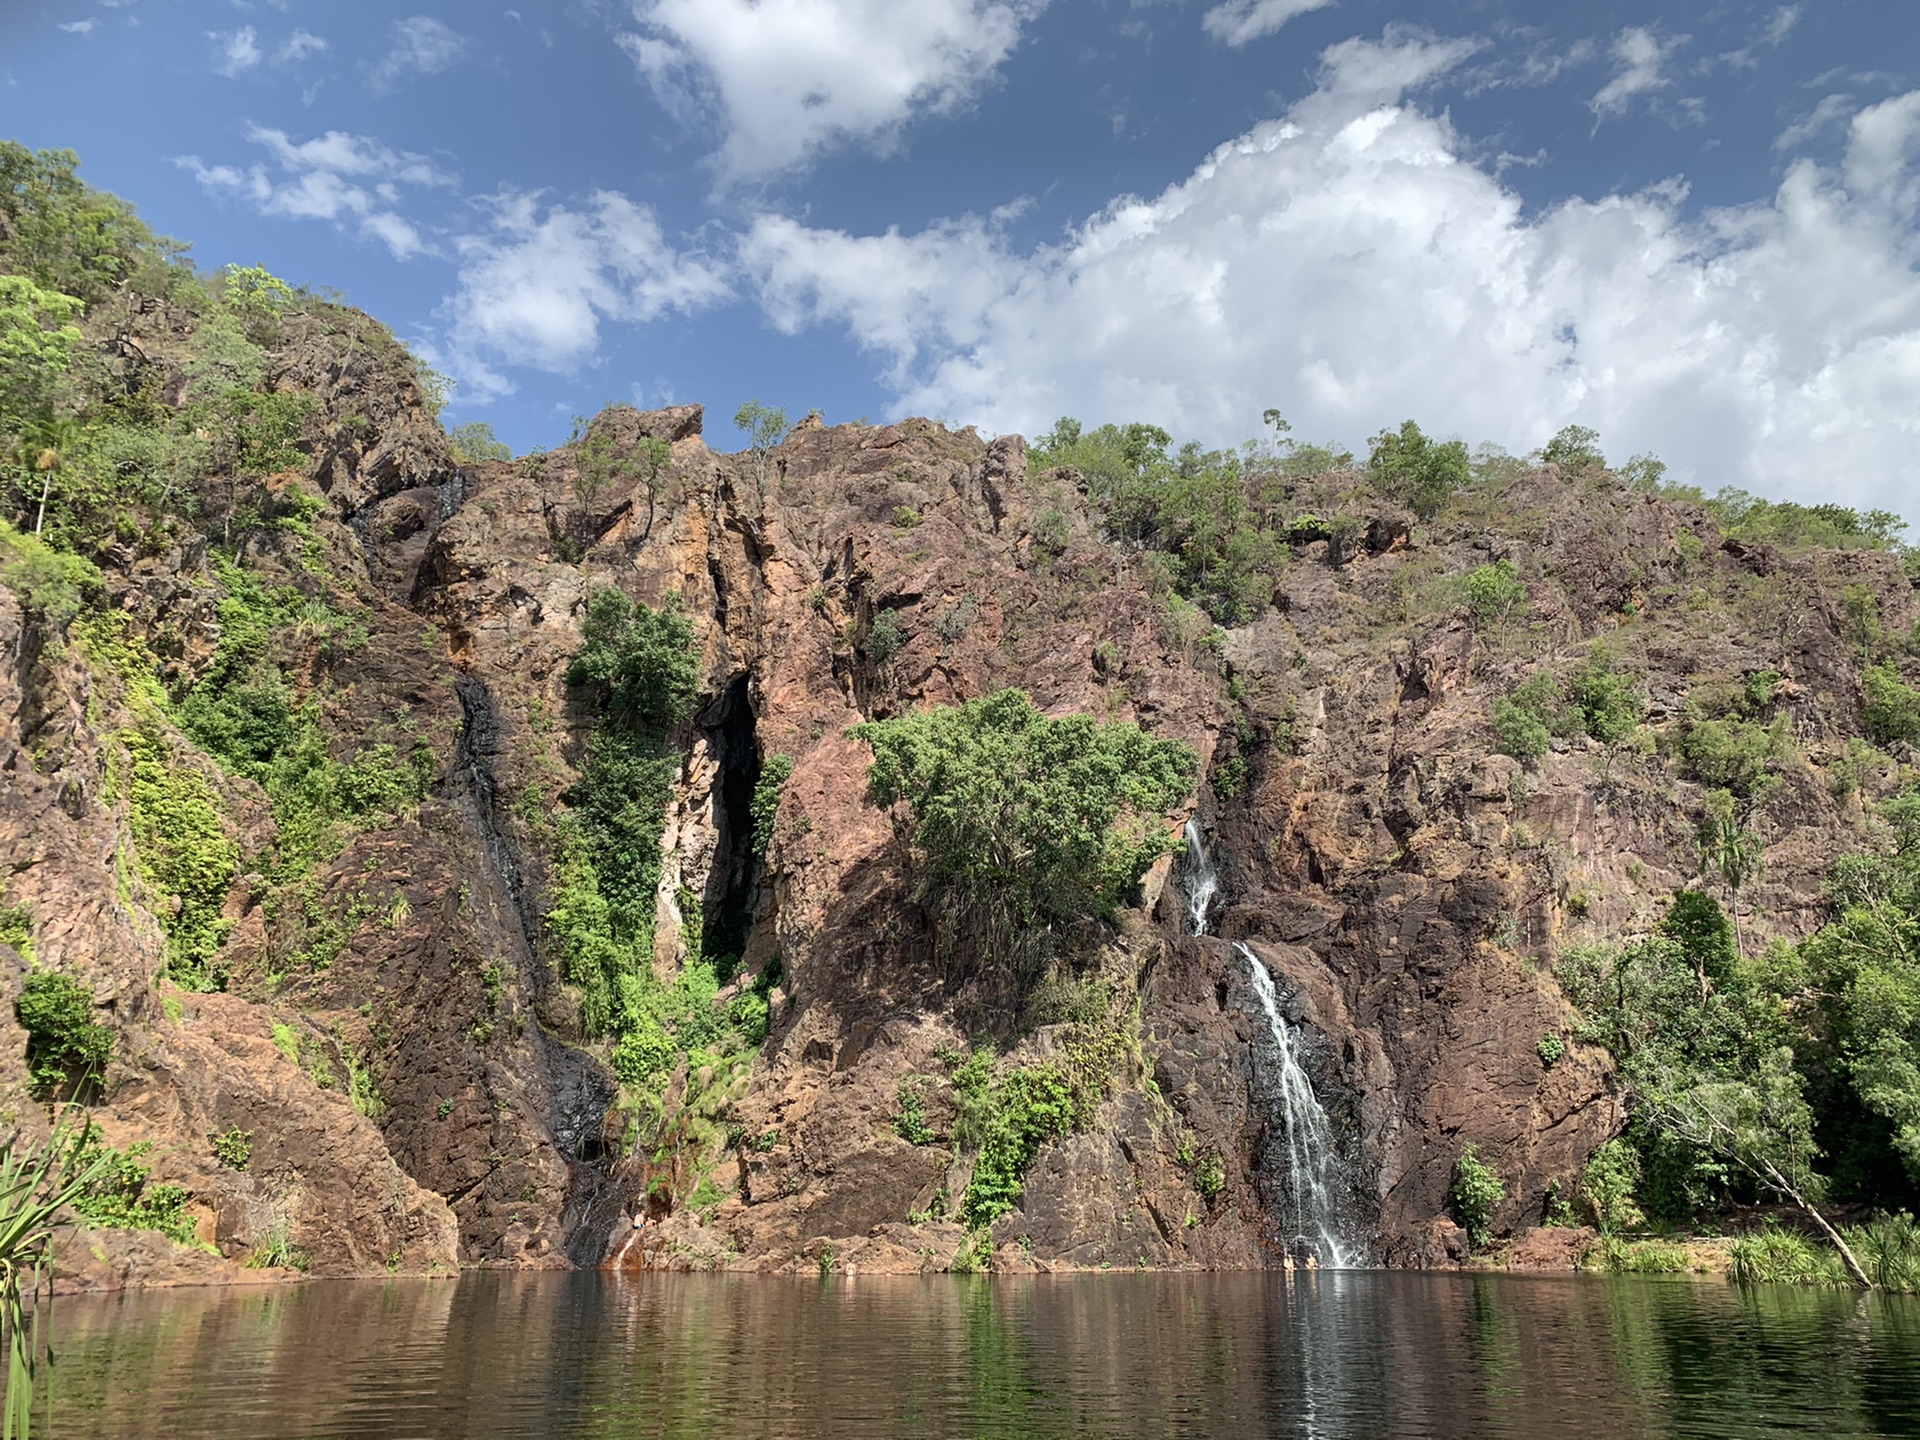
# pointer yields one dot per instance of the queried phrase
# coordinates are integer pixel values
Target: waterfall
(1310, 1212)
(1201, 879)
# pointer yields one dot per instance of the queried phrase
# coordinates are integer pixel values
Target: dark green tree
(1026, 829)
(1418, 471)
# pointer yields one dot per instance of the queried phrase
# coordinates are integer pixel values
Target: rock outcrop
(1405, 886)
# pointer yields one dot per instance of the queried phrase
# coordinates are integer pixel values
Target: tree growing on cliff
(1417, 470)
(475, 442)
(764, 426)
(1026, 830)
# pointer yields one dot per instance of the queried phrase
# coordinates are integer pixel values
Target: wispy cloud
(1831, 110)
(352, 181)
(80, 27)
(1771, 34)
(1239, 22)
(236, 51)
(300, 45)
(420, 45)
(1642, 59)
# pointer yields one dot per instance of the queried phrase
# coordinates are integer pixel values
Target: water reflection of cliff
(586, 1357)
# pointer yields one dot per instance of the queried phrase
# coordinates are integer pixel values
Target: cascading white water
(1202, 881)
(1312, 1215)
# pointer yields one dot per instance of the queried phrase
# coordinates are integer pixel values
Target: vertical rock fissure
(728, 905)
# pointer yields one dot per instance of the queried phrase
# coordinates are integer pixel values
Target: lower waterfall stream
(1309, 1212)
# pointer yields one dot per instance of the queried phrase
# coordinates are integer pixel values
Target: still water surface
(1361, 1354)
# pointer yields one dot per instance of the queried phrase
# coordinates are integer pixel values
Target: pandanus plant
(37, 1182)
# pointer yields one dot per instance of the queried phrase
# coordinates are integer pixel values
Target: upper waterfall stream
(1310, 1212)
(1201, 880)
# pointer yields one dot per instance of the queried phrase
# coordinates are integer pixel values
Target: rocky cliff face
(1405, 885)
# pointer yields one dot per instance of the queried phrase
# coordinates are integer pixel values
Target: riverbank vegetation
(1792, 1075)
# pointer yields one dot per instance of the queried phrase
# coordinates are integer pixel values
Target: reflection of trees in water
(1354, 1354)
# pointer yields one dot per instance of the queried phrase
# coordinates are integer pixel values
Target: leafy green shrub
(52, 585)
(1420, 472)
(910, 1123)
(1892, 706)
(1031, 1105)
(233, 1148)
(953, 621)
(1518, 730)
(750, 1014)
(1607, 1188)
(645, 1052)
(766, 800)
(1026, 829)
(1210, 1175)
(183, 851)
(886, 637)
(64, 1042)
(1736, 755)
(1551, 1048)
(16, 930)
(1475, 1194)
(1606, 704)
(124, 1197)
(1495, 591)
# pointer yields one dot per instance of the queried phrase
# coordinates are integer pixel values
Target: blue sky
(1692, 226)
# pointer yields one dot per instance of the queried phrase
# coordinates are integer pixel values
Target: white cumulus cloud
(1238, 22)
(536, 286)
(347, 180)
(1353, 264)
(788, 78)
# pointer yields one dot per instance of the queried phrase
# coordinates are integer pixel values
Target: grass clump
(16, 930)
(1641, 1257)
